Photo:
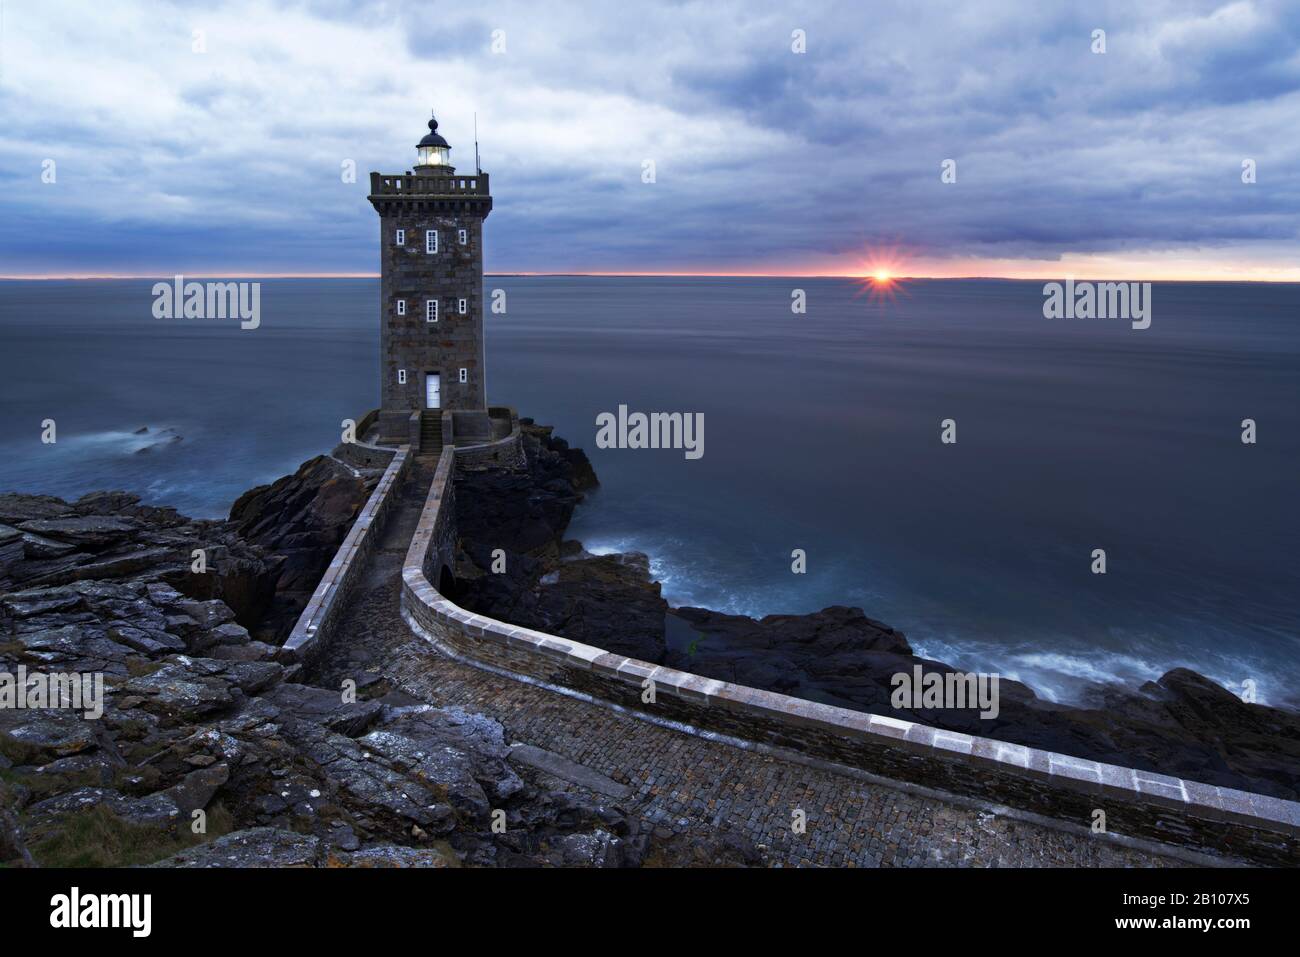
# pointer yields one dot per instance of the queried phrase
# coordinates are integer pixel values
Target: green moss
(96, 837)
(44, 785)
(138, 667)
(16, 751)
(132, 729)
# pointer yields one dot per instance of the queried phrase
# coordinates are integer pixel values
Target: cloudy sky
(229, 160)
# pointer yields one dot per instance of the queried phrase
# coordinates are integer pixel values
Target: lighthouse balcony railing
(416, 184)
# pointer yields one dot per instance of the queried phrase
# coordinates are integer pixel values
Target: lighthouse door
(432, 390)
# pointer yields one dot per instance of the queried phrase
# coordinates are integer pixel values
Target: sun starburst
(880, 274)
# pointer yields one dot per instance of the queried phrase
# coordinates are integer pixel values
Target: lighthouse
(431, 297)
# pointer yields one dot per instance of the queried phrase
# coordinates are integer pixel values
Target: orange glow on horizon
(879, 269)
(880, 274)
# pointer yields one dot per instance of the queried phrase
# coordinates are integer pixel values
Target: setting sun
(879, 271)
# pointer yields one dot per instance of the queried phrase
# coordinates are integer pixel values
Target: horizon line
(92, 277)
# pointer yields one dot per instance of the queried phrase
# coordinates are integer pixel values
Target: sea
(822, 439)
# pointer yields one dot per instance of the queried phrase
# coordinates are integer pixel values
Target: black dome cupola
(433, 151)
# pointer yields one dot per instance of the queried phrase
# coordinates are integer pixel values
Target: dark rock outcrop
(299, 775)
(198, 717)
(110, 536)
(526, 512)
(547, 583)
(301, 519)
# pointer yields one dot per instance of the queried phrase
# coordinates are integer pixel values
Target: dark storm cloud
(764, 158)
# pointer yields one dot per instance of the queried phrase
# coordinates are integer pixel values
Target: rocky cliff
(208, 752)
(199, 717)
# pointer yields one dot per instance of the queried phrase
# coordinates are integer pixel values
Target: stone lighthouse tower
(431, 297)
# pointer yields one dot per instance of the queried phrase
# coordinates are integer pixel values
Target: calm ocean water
(822, 433)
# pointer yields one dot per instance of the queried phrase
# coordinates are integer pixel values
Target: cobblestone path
(683, 785)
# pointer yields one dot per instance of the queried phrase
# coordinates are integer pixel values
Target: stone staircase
(431, 433)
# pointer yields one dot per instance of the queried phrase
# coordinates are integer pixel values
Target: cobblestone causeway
(683, 784)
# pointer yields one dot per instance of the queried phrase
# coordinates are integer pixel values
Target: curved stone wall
(361, 454)
(1137, 803)
(505, 452)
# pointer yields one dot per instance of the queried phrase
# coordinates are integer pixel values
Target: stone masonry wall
(314, 630)
(505, 453)
(410, 342)
(1137, 803)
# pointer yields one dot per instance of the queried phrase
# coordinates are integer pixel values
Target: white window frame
(401, 377)
(431, 310)
(401, 237)
(464, 375)
(463, 236)
(431, 241)
(401, 307)
(462, 306)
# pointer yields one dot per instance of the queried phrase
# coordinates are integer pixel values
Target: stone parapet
(506, 452)
(1137, 803)
(313, 631)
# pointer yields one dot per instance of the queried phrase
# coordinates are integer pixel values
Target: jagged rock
(176, 692)
(154, 809)
(551, 458)
(525, 511)
(596, 849)
(366, 781)
(304, 517)
(250, 651)
(198, 788)
(16, 508)
(836, 655)
(207, 614)
(447, 770)
(40, 735)
(36, 546)
(93, 532)
(219, 723)
(255, 847)
(151, 642)
(325, 708)
(342, 837)
(105, 503)
(27, 604)
(13, 840)
(608, 601)
(109, 535)
(49, 571)
(393, 855)
(189, 688)
(12, 550)
(93, 767)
